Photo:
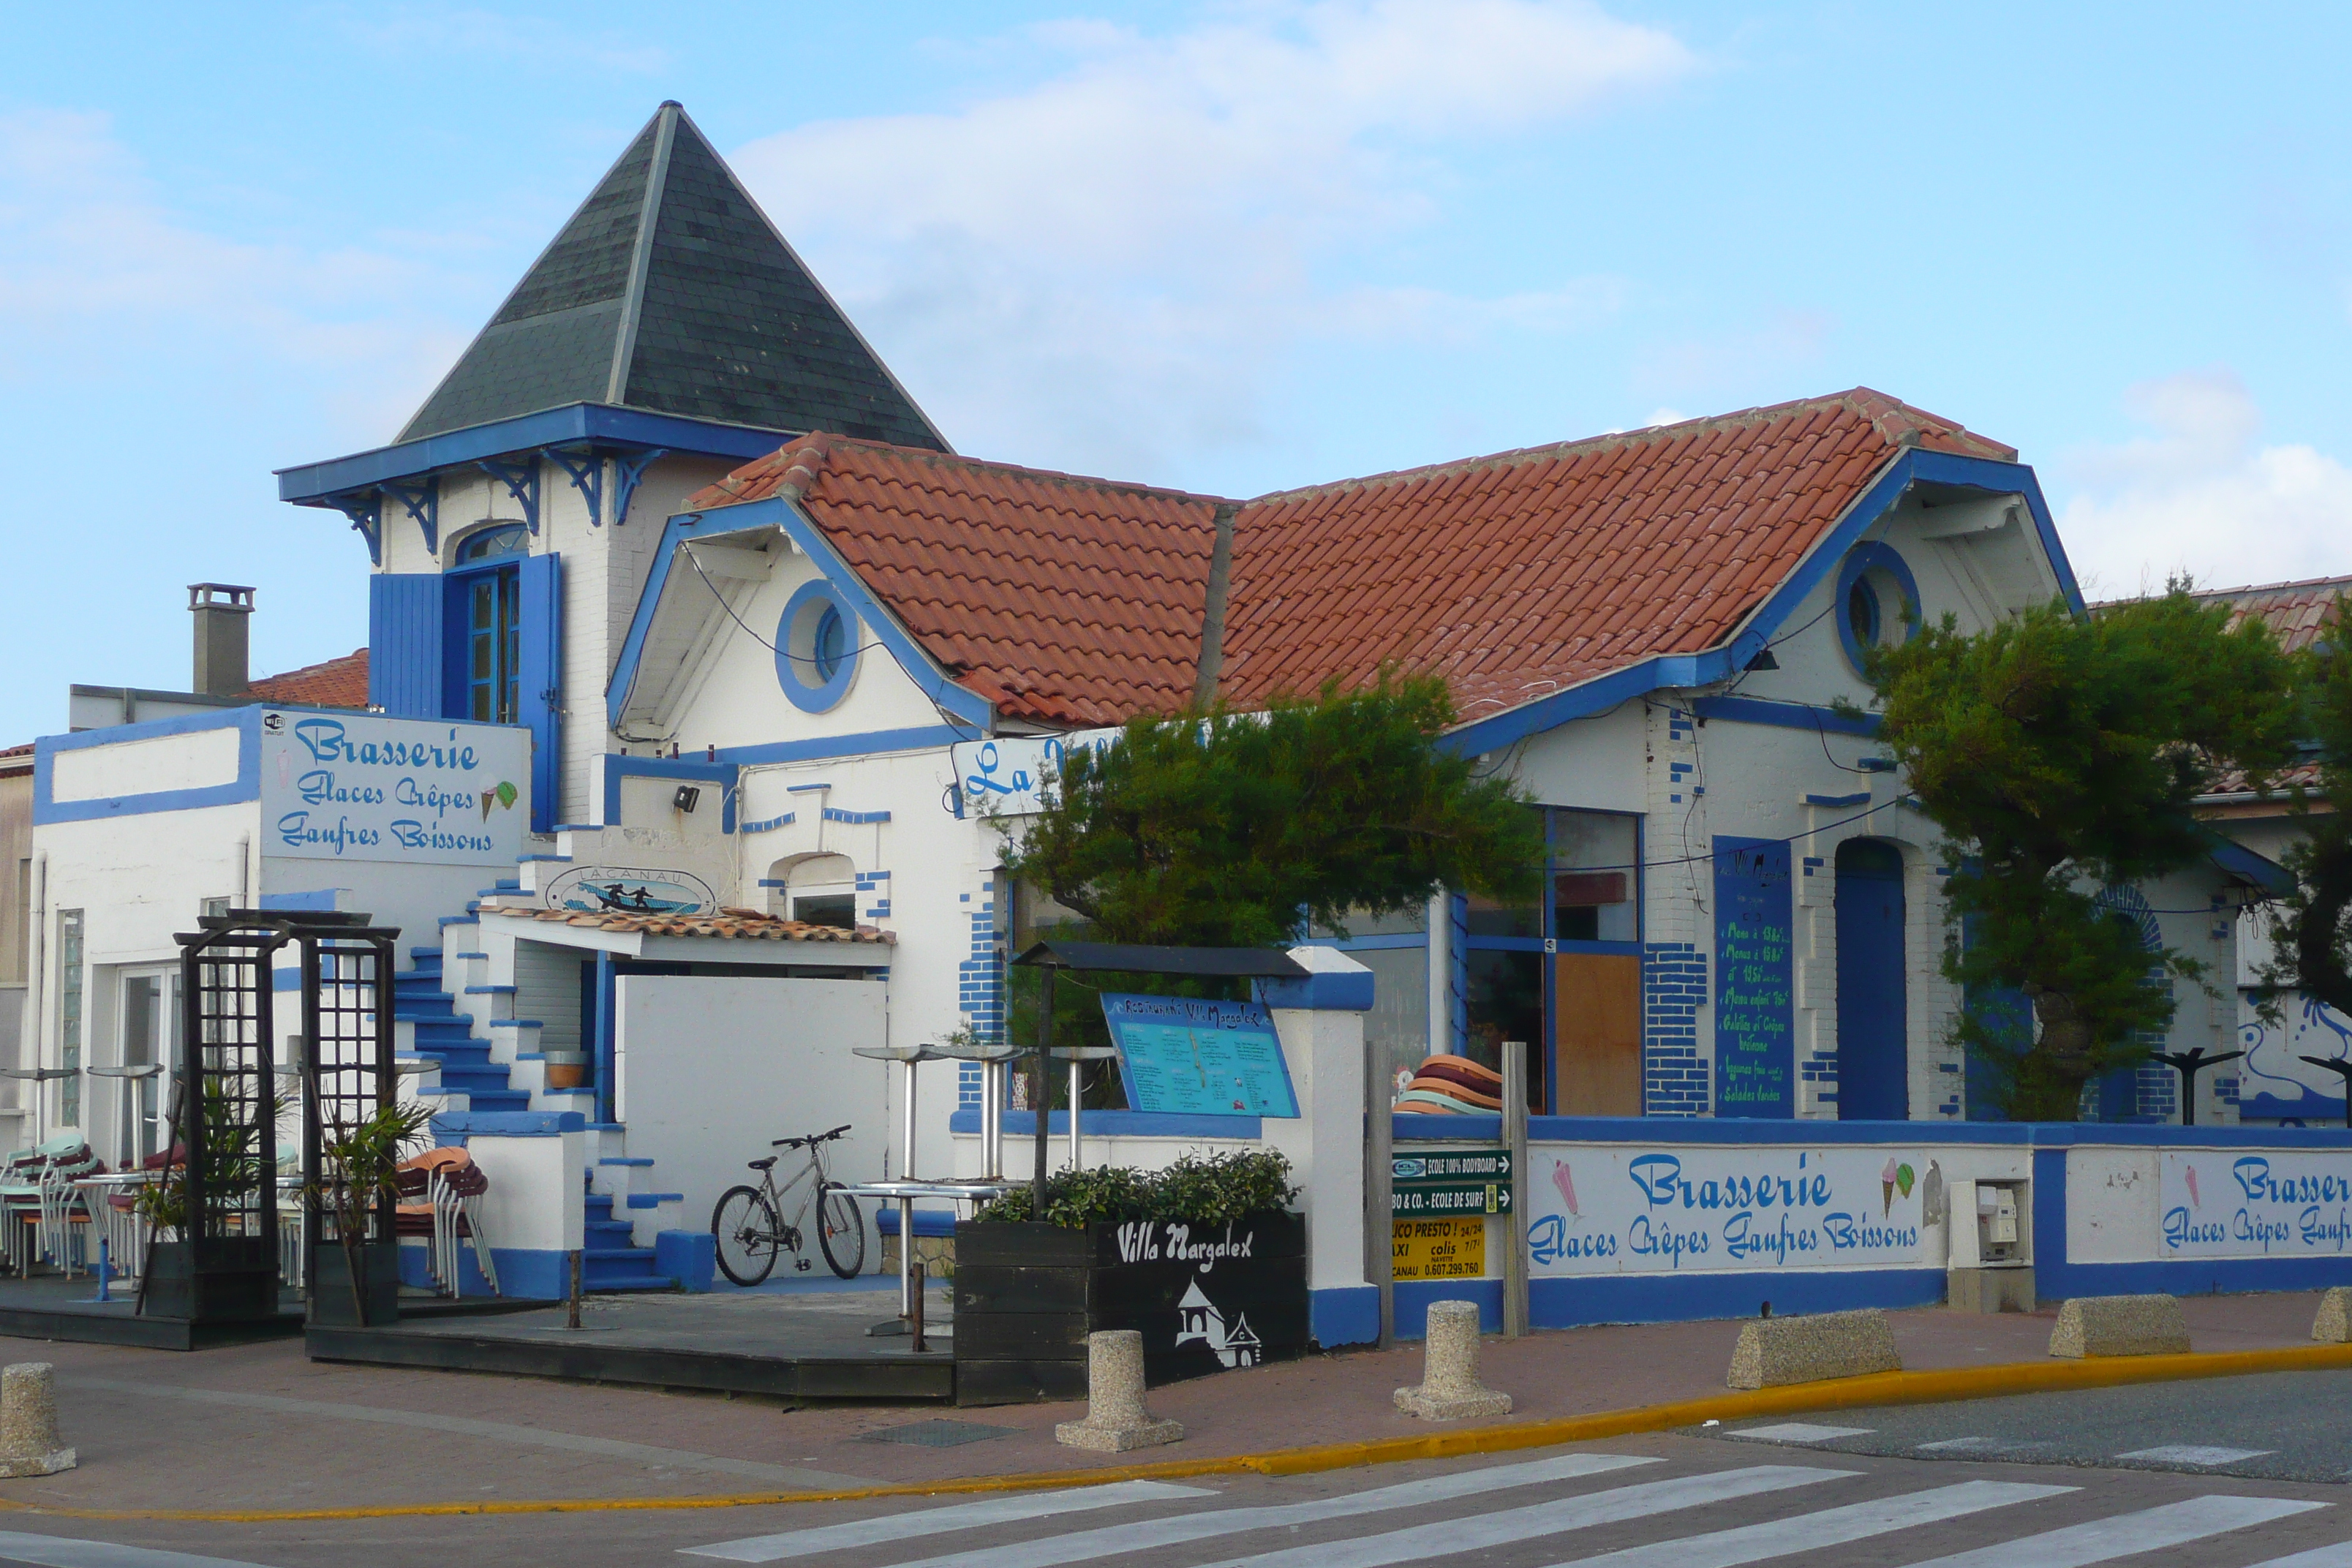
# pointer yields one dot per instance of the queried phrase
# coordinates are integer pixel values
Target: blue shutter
(543, 682)
(405, 643)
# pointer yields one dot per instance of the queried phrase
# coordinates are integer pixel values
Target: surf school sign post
(359, 786)
(1634, 1210)
(2250, 1203)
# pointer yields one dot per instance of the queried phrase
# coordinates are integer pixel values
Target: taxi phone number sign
(1439, 1249)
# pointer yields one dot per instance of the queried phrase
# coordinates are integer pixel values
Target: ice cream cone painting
(1567, 1185)
(1886, 1188)
(2188, 1176)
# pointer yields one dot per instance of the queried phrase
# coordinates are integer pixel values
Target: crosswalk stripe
(1145, 1535)
(1798, 1432)
(2105, 1540)
(2194, 1454)
(1830, 1527)
(64, 1551)
(1556, 1517)
(933, 1521)
(2336, 1556)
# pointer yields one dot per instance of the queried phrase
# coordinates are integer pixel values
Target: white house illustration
(1198, 1318)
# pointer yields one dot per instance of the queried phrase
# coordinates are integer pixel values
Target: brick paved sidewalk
(259, 1427)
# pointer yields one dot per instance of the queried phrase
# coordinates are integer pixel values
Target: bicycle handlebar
(812, 1138)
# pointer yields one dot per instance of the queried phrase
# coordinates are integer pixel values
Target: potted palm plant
(356, 1282)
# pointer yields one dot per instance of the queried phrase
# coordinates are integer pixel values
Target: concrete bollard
(1116, 1419)
(29, 1443)
(2120, 1325)
(1450, 1389)
(2334, 1323)
(1776, 1351)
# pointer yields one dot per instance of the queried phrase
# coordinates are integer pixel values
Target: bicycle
(750, 1234)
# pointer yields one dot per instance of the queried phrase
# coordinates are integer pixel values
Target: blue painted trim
(805, 789)
(1344, 1315)
(854, 818)
(245, 787)
(799, 684)
(1117, 1124)
(506, 1124)
(1784, 715)
(688, 1256)
(1321, 992)
(2248, 866)
(607, 1059)
(317, 898)
(1384, 943)
(1913, 465)
(618, 767)
(1873, 556)
(652, 1200)
(767, 824)
(516, 1024)
(310, 484)
(1861, 798)
(959, 703)
(869, 742)
(2184, 1277)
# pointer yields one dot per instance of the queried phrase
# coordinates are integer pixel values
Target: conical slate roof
(669, 290)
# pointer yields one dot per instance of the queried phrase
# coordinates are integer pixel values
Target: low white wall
(711, 1069)
(537, 1199)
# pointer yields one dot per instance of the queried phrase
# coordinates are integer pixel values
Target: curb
(1841, 1393)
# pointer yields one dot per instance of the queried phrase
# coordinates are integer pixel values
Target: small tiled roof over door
(1080, 601)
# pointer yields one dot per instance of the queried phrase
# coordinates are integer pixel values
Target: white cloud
(2203, 494)
(1105, 268)
(1737, 361)
(98, 275)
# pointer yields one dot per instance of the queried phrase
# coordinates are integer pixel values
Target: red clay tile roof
(2297, 612)
(17, 760)
(1076, 601)
(337, 683)
(738, 924)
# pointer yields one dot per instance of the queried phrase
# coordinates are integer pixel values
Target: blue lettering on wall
(1755, 1043)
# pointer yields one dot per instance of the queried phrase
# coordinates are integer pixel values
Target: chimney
(222, 611)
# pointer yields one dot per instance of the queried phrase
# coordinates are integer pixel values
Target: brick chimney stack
(222, 612)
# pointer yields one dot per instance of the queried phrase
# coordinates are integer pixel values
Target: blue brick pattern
(980, 978)
(875, 885)
(1674, 988)
(1821, 1067)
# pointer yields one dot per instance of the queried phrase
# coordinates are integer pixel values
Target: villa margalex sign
(2254, 1203)
(363, 788)
(1690, 1210)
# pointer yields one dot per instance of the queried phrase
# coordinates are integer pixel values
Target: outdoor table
(115, 1227)
(1075, 1055)
(992, 1060)
(37, 1076)
(913, 1057)
(904, 1195)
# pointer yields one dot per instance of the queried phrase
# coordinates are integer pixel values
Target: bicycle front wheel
(745, 1225)
(841, 1233)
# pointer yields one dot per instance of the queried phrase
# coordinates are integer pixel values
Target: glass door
(139, 1121)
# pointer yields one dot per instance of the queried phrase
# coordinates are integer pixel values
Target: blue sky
(1232, 248)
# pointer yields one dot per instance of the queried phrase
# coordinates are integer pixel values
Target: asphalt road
(2284, 1427)
(1666, 1501)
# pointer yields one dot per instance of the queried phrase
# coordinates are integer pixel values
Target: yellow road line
(1843, 1393)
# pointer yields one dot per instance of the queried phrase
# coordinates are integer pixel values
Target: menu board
(1755, 1042)
(1199, 1058)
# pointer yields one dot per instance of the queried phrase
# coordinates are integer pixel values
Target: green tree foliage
(1236, 829)
(2060, 755)
(2312, 927)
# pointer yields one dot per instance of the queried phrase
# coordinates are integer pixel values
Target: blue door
(1874, 1071)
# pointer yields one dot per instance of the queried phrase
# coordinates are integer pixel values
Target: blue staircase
(418, 998)
(611, 1259)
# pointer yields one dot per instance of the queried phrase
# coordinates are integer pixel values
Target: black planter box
(330, 1286)
(1205, 1298)
(229, 1280)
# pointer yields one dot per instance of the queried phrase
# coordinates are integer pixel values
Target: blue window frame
(486, 575)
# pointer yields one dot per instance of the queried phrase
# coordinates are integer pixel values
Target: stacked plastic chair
(441, 1194)
(1452, 1085)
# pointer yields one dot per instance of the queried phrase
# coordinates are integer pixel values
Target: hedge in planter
(1201, 1259)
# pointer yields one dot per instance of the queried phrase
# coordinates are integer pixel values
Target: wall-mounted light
(685, 798)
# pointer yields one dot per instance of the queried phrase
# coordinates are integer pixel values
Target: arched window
(491, 543)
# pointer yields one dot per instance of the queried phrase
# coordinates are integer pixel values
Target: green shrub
(1192, 1191)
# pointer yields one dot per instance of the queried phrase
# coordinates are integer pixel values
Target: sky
(1233, 247)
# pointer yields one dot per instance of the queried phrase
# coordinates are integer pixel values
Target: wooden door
(1597, 1034)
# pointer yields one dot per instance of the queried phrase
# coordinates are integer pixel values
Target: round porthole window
(1878, 602)
(817, 648)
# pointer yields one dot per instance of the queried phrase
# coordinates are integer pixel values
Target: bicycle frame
(775, 1194)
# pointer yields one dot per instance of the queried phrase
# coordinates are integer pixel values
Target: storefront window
(1592, 878)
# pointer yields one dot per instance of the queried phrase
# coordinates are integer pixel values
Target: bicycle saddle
(763, 1164)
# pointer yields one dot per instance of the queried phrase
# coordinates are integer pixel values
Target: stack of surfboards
(1452, 1085)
